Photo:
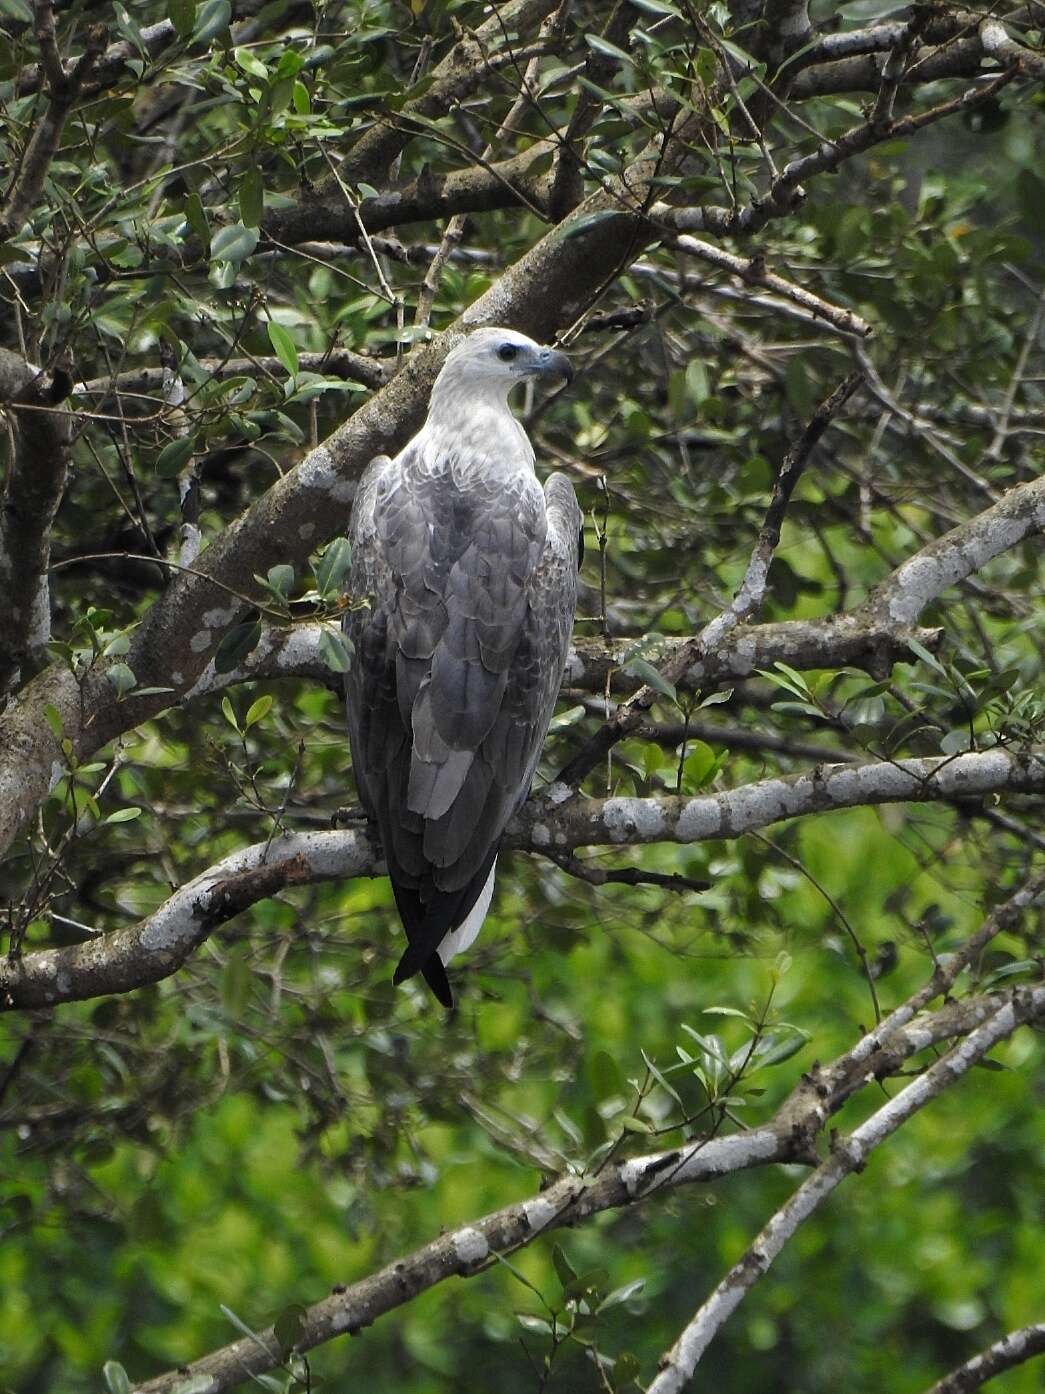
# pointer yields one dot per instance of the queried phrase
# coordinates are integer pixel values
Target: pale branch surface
(554, 822)
(1013, 1349)
(791, 1136)
(848, 1155)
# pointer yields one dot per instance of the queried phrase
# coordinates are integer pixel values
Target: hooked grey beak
(552, 363)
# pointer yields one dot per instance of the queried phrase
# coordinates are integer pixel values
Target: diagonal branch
(753, 271)
(849, 1154)
(1013, 1349)
(63, 90)
(745, 604)
(469, 1248)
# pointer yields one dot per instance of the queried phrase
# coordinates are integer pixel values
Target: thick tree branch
(38, 437)
(477, 189)
(789, 1137)
(338, 363)
(849, 1154)
(553, 822)
(960, 553)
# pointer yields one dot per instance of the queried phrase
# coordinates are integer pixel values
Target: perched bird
(464, 584)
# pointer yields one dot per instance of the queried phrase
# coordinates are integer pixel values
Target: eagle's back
(470, 573)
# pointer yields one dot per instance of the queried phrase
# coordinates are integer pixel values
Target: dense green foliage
(274, 1119)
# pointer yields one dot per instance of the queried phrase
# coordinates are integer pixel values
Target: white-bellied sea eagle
(464, 585)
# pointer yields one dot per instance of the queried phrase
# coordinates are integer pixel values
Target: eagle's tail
(442, 925)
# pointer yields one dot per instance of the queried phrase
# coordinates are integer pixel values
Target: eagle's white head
(490, 362)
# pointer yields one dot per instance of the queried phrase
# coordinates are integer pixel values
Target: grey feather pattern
(469, 579)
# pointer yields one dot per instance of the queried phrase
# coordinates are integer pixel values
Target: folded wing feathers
(458, 662)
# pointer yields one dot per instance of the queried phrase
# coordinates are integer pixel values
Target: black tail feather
(428, 922)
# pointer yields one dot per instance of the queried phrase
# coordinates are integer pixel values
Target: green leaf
(699, 766)
(280, 578)
(122, 678)
(713, 699)
(283, 346)
(199, 1384)
(608, 50)
(622, 1294)
(659, 1077)
(233, 243)
(706, 66)
(659, 9)
(920, 651)
(54, 720)
(124, 815)
(240, 641)
(335, 651)
(587, 221)
(240, 1325)
(182, 15)
(333, 566)
(174, 456)
(257, 711)
(196, 218)
(566, 1273)
(252, 197)
(289, 1327)
(230, 713)
(540, 1326)
(636, 1125)
(212, 17)
(652, 677)
(116, 1379)
(250, 64)
(782, 1048)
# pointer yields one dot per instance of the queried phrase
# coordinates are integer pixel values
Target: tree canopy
(769, 926)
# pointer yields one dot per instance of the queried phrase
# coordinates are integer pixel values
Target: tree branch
(753, 271)
(553, 822)
(34, 484)
(789, 1137)
(745, 604)
(459, 74)
(1011, 1350)
(849, 1154)
(63, 89)
(338, 363)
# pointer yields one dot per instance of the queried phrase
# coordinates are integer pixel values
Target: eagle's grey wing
(458, 661)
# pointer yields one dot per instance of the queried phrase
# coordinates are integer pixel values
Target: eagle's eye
(507, 352)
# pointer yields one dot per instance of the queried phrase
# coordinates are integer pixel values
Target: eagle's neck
(470, 420)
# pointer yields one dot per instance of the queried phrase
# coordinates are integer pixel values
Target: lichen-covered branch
(554, 822)
(1013, 1349)
(338, 363)
(38, 439)
(848, 1154)
(960, 553)
(788, 1137)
